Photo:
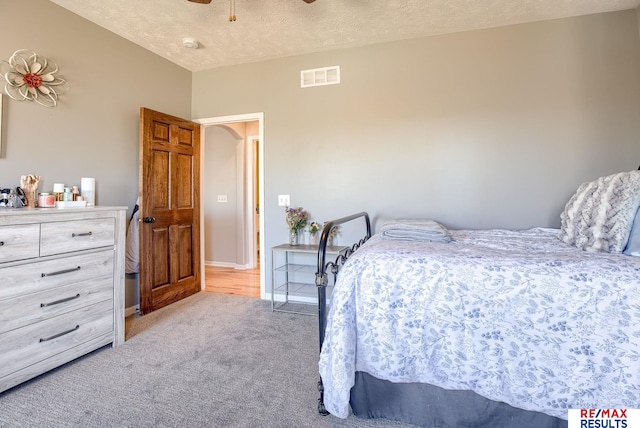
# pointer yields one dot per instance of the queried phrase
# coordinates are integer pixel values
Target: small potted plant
(296, 219)
(314, 228)
(333, 233)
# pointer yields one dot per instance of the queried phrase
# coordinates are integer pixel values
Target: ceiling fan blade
(202, 1)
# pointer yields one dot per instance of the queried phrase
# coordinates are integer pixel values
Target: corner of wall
(638, 19)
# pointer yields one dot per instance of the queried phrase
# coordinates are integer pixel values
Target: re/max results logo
(604, 418)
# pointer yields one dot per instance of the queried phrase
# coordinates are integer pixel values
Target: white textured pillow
(599, 216)
(633, 245)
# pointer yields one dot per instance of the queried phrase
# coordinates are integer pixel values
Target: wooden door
(169, 209)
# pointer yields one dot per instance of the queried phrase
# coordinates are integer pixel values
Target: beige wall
(94, 130)
(481, 129)
(224, 166)
(223, 154)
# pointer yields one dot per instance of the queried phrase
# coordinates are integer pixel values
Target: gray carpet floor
(209, 360)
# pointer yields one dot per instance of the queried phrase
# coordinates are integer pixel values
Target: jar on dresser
(61, 287)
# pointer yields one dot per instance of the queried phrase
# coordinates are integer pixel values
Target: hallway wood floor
(223, 280)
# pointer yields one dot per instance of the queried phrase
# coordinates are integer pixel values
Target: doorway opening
(248, 194)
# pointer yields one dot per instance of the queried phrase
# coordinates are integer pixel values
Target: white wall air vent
(320, 76)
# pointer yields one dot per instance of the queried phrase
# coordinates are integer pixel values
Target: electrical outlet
(222, 198)
(284, 200)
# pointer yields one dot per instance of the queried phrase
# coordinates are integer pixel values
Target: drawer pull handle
(55, 336)
(42, 305)
(73, 235)
(60, 272)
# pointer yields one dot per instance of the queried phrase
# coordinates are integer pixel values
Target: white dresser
(61, 287)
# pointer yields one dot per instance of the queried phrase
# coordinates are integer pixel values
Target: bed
(451, 328)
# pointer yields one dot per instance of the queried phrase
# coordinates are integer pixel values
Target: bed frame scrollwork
(333, 267)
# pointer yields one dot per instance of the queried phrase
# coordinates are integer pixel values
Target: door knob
(149, 219)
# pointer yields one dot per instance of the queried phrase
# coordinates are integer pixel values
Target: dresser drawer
(19, 242)
(36, 342)
(50, 274)
(30, 308)
(66, 236)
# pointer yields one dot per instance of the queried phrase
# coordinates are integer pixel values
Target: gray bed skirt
(431, 406)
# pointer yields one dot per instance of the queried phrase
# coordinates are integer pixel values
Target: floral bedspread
(517, 317)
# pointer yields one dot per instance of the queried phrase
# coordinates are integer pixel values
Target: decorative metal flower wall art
(30, 76)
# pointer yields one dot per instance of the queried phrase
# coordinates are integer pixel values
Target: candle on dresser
(88, 190)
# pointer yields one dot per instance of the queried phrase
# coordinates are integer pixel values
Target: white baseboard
(131, 310)
(242, 267)
(226, 265)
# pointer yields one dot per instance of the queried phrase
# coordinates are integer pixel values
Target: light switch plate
(284, 200)
(222, 198)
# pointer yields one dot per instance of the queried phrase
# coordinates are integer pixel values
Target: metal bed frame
(322, 278)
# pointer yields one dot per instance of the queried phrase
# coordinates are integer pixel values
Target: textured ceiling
(267, 29)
